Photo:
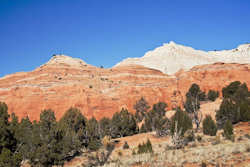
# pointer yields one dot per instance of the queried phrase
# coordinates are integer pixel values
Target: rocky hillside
(66, 82)
(172, 57)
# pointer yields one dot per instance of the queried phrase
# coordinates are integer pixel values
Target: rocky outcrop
(172, 57)
(59, 85)
(65, 82)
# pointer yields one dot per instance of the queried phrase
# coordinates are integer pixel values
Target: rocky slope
(172, 57)
(65, 82)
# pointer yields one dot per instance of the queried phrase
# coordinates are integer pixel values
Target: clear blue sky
(103, 32)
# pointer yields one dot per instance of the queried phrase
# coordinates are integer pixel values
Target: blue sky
(103, 32)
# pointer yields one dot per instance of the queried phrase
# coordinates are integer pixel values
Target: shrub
(209, 126)
(189, 136)
(145, 148)
(133, 152)
(216, 140)
(106, 141)
(248, 149)
(120, 153)
(126, 146)
(247, 136)
(199, 138)
(94, 144)
(212, 95)
(203, 164)
(228, 130)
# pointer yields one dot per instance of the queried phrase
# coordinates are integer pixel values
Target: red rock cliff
(64, 82)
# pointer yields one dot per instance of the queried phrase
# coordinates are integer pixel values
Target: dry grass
(224, 152)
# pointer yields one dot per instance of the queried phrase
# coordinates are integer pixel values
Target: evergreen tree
(125, 146)
(141, 108)
(155, 119)
(192, 104)
(209, 126)
(143, 128)
(93, 132)
(9, 155)
(73, 124)
(45, 141)
(212, 95)
(182, 121)
(235, 105)
(105, 127)
(228, 130)
(162, 126)
(24, 136)
(123, 124)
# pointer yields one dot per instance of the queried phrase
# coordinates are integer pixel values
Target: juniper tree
(192, 104)
(155, 119)
(212, 95)
(93, 133)
(123, 124)
(9, 155)
(209, 126)
(105, 127)
(235, 105)
(141, 108)
(183, 121)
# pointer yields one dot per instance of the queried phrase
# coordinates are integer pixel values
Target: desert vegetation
(49, 142)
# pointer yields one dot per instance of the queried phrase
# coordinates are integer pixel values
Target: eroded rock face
(59, 85)
(213, 76)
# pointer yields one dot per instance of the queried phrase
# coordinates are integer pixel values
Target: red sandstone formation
(64, 82)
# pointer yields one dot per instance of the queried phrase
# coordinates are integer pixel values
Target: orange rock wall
(102, 92)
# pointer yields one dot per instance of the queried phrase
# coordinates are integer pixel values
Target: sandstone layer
(59, 85)
(65, 82)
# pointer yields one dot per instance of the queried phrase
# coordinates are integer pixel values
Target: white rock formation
(66, 60)
(172, 57)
